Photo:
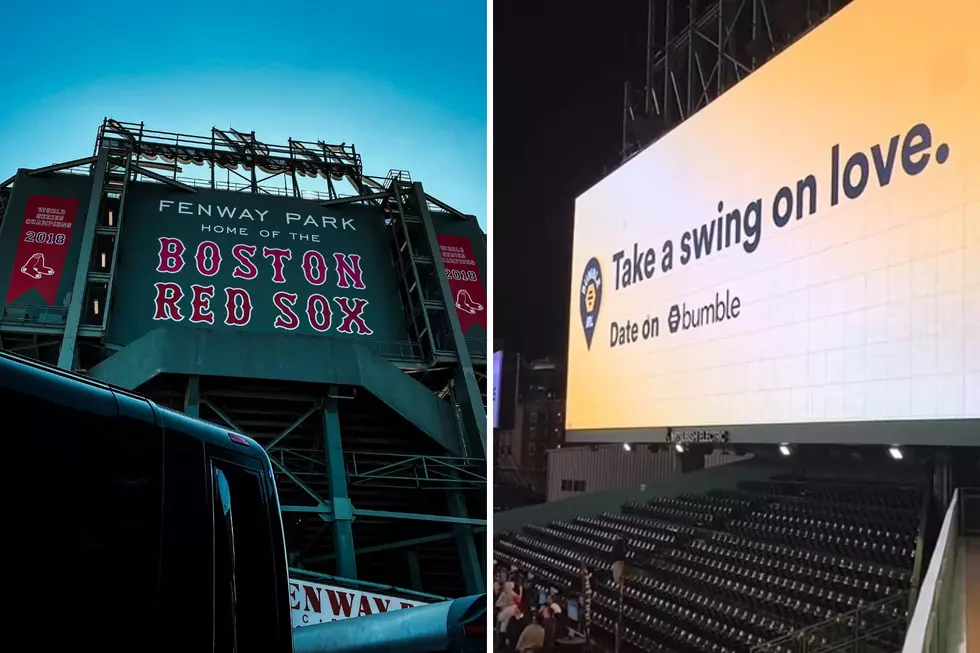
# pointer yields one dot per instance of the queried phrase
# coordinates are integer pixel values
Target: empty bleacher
(780, 566)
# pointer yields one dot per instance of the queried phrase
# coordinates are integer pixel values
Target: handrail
(923, 633)
(856, 621)
(925, 512)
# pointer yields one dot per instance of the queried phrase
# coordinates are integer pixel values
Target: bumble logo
(590, 298)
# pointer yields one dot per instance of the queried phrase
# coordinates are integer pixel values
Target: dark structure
(541, 401)
(371, 400)
(698, 49)
(521, 463)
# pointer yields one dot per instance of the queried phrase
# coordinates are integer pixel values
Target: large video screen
(806, 249)
(498, 368)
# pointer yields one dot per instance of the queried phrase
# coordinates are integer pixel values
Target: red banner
(43, 246)
(469, 295)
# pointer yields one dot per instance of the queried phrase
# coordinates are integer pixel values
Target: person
(550, 625)
(499, 579)
(532, 638)
(505, 618)
(506, 596)
(554, 603)
(515, 627)
(553, 597)
(619, 557)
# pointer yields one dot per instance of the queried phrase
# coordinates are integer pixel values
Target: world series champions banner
(463, 274)
(43, 247)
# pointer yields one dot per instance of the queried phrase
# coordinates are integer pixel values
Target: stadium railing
(931, 627)
(876, 626)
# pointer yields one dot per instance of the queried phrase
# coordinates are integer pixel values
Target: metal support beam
(415, 541)
(279, 438)
(444, 519)
(468, 558)
(343, 515)
(55, 167)
(445, 207)
(368, 197)
(192, 396)
(301, 556)
(413, 472)
(224, 417)
(401, 544)
(162, 179)
(324, 509)
(66, 357)
(414, 571)
(468, 396)
(691, 62)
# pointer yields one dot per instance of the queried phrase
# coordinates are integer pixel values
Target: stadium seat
(729, 570)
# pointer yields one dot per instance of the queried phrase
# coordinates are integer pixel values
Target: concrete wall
(594, 503)
(610, 467)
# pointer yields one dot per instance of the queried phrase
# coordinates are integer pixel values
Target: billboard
(316, 603)
(39, 243)
(498, 368)
(227, 260)
(805, 250)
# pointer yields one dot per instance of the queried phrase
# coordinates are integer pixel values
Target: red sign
(43, 246)
(469, 296)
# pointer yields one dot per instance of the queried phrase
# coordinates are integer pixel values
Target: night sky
(559, 70)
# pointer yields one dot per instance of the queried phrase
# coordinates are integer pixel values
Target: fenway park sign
(315, 603)
(241, 261)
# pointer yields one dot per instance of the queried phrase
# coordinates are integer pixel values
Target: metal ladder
(90, 280)
(424, 312)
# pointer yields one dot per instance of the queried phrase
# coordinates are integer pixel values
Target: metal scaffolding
(698, 49)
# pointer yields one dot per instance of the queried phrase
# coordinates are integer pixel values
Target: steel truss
(341, 486)
(364, 468)
(698, 49)
(236, 151)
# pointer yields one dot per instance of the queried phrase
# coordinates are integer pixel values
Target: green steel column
(343, 513)
(470, 404)
(474, 419)
(414, 571)
(481, 551)
(468, 559)
(66, 357)
(192, 397)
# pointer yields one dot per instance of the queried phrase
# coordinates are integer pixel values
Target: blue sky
(405, 82)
